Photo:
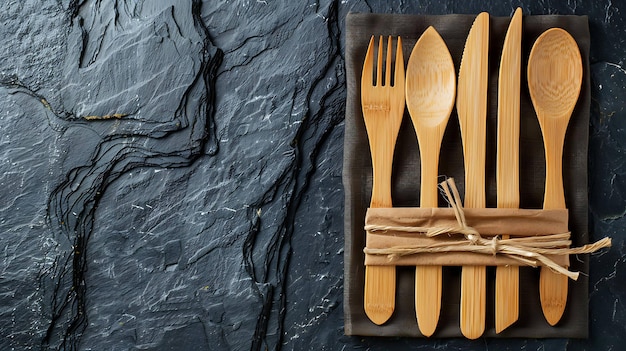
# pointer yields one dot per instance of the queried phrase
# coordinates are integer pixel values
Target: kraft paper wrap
(357, 177)
(487, 221)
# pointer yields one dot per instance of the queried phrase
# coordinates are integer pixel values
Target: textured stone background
(170, 174)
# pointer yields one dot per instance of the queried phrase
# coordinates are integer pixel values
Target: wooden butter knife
(507, 162)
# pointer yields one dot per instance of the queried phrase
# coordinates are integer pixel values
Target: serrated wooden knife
(471, 107)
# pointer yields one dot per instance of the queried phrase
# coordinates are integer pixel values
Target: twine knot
(494, 245)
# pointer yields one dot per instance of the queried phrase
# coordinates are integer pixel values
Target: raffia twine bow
(529, 251)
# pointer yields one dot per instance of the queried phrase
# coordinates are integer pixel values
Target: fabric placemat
(357, 177)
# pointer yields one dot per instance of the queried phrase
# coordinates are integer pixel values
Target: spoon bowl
(430, 94)
(554, 75)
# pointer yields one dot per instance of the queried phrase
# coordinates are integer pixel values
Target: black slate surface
(209, 215)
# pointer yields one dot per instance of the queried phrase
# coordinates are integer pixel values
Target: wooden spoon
(554, 81)
(430, 92)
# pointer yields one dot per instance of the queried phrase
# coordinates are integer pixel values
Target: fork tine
(368, 65)
(398, 79)
(379, 66)
(388, 63)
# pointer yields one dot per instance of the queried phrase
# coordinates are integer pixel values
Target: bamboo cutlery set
(429, 88)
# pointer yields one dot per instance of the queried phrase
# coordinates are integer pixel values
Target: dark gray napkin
(357, 177)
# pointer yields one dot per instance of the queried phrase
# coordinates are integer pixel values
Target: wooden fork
(383, 108)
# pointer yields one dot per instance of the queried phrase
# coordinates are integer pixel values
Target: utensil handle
(380, 281)
(553, 287)
(429, 190)
(554, 196)
(382, 158)
(428, 278)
